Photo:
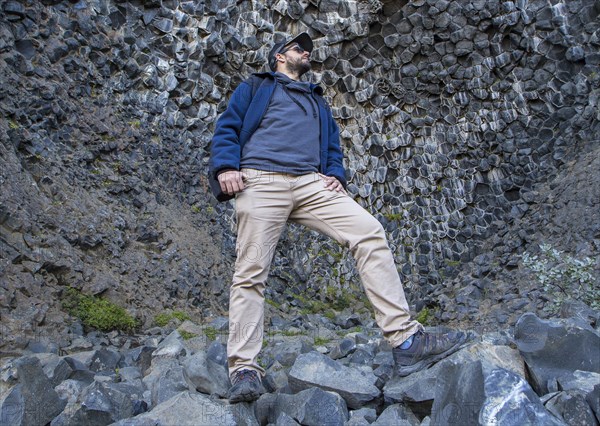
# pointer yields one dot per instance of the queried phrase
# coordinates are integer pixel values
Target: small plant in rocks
(163, 318)
(186, 335)
(564, 277)
(211, 332)
(425, 316)
(320, 341)
(97, 312)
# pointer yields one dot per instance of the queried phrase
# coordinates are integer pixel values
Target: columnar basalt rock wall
(450, 113)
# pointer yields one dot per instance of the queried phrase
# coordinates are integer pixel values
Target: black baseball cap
(303, 40)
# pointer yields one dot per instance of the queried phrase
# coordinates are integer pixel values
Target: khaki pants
(268, 201)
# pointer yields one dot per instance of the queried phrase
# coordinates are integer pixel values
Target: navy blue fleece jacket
(243, 116)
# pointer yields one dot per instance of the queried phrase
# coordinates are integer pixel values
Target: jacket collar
(271, 74)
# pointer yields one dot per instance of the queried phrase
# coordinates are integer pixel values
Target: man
(276, 149)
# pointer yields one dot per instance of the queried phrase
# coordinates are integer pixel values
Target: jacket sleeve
(335, 156)
(225, 151)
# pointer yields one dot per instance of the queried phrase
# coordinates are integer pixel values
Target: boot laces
(248, 375)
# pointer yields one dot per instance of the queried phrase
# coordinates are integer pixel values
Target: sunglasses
(296, 47)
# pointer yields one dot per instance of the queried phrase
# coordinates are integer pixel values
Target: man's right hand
(231, 182)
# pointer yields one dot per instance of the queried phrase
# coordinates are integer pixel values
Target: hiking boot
(246, 386)
(426, 349)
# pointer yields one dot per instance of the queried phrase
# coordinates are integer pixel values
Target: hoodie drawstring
(293, 98)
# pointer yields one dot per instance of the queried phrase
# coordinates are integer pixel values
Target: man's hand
(332, 183)
(231, 182)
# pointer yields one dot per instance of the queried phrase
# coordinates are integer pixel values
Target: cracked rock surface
(470, 130)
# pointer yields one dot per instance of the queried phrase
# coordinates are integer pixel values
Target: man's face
(297, 59)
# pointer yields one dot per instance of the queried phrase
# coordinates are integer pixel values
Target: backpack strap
(255, 81)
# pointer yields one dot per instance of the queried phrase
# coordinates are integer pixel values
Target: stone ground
(317, 373)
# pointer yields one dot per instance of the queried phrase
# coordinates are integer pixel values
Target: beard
(299, 66)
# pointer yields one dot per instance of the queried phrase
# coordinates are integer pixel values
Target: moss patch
(425, 316)
(321, 341)
(186, 335)
(210, 333)
(96, 312)
(163, 319)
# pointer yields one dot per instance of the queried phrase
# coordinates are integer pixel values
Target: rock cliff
(470, 130)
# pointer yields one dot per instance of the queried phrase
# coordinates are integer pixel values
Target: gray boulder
(315, 369)
(131, 375)
(285, 420)
(166, 380)
(312, 406)
(55, 367)
(571, 407)
(217, 352)
(79, 371)
(286, 352)
(206, 375)
(32, 400)
(276, 378)
(83, 357)
(593, 399)
(584, 381)
(473, 393)
(70, 389)
(104, 361)
(140, 357)
(193, 409)
(99, 404)
(397, 415)
(578, 309)
(552, 349)
(363, 415)
(171, 347)
(347, 321)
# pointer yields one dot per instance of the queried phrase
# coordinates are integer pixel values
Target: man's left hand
(332, 183)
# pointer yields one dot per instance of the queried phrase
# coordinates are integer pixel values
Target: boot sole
(246, 397)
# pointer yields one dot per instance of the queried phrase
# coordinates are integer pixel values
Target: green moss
(425, 316)
(321, 341)
(343, 301)
(210, 333)
(272, 303)
(96, 312)
(292, 333)
(163, 319)
(318, 306)
(452, 263)
(13, 124)
(393, 217)
(196, 209)
(330, 315)
(186, 335)
(180, 315)
(338, 256)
